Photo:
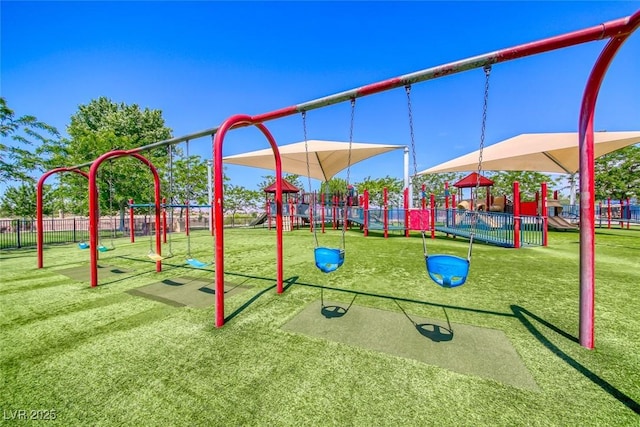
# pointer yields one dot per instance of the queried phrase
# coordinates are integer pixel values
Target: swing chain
(407, 88)
(353, 113)
(487, 72)
(170, 148)
(188, 188)
(346, 207)
(312, 218)
(111, 195)
(474, 221)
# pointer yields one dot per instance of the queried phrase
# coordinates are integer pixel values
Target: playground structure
(497, 226)
(617, 31)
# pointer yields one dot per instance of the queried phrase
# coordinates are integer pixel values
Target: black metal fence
(22, 233)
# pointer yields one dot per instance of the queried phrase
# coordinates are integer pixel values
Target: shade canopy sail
(326, 158)
(537, 152)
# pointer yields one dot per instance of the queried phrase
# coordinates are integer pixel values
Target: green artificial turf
(102, 356)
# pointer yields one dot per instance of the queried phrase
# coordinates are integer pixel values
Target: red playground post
(543, 213)
(432, 215)
(516, 214)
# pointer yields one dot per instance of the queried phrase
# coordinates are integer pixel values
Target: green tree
(240, 199)
(20, 201)
(187, 180)
(434, 184)
(529, 183)
(335, 185)
(617, 174)
(102, 126)
(375, 186)
(17, 135)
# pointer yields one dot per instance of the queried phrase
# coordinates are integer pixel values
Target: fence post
(164, 220)
(365, 207)
(516, 214)
(132, 224)
(74, 230)
(628, 212)
(18, 242)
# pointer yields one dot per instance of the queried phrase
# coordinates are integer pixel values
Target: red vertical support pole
(334, 212)
(211, 214)
(132, 222)
(186, 218)
(365, 206)
(608, 212)
(40, 220)
(453, 209)
(543, 210)
(446, 195)
(322, 212)
(432, 203)
(158, 238)
(516, 214)
(586, 146)
(218, 139)
(385, 211)
(406, 212)
(164, 220)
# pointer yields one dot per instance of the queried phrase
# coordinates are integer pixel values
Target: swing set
(616, 31)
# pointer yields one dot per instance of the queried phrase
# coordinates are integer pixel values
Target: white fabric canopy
(326, 158)
(537, 152)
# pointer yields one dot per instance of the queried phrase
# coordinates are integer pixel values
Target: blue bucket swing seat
(450, 271)
(328, 259)
(447, 271)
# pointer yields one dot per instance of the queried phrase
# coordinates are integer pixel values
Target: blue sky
(201, 62)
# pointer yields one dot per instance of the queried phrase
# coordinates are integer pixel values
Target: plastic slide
(560, 224)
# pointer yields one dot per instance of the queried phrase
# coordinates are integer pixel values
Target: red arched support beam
(218, 195)
(587, 181)
(93, 207)
(39, 221)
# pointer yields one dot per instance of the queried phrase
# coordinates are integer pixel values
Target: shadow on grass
(333, 311)
(287, 282)
(522, 313)
(434, 332)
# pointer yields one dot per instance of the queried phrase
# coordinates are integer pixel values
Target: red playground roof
(287, 187)
(471, 180)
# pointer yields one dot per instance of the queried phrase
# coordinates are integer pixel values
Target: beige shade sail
(537, 152)
(326, 158)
